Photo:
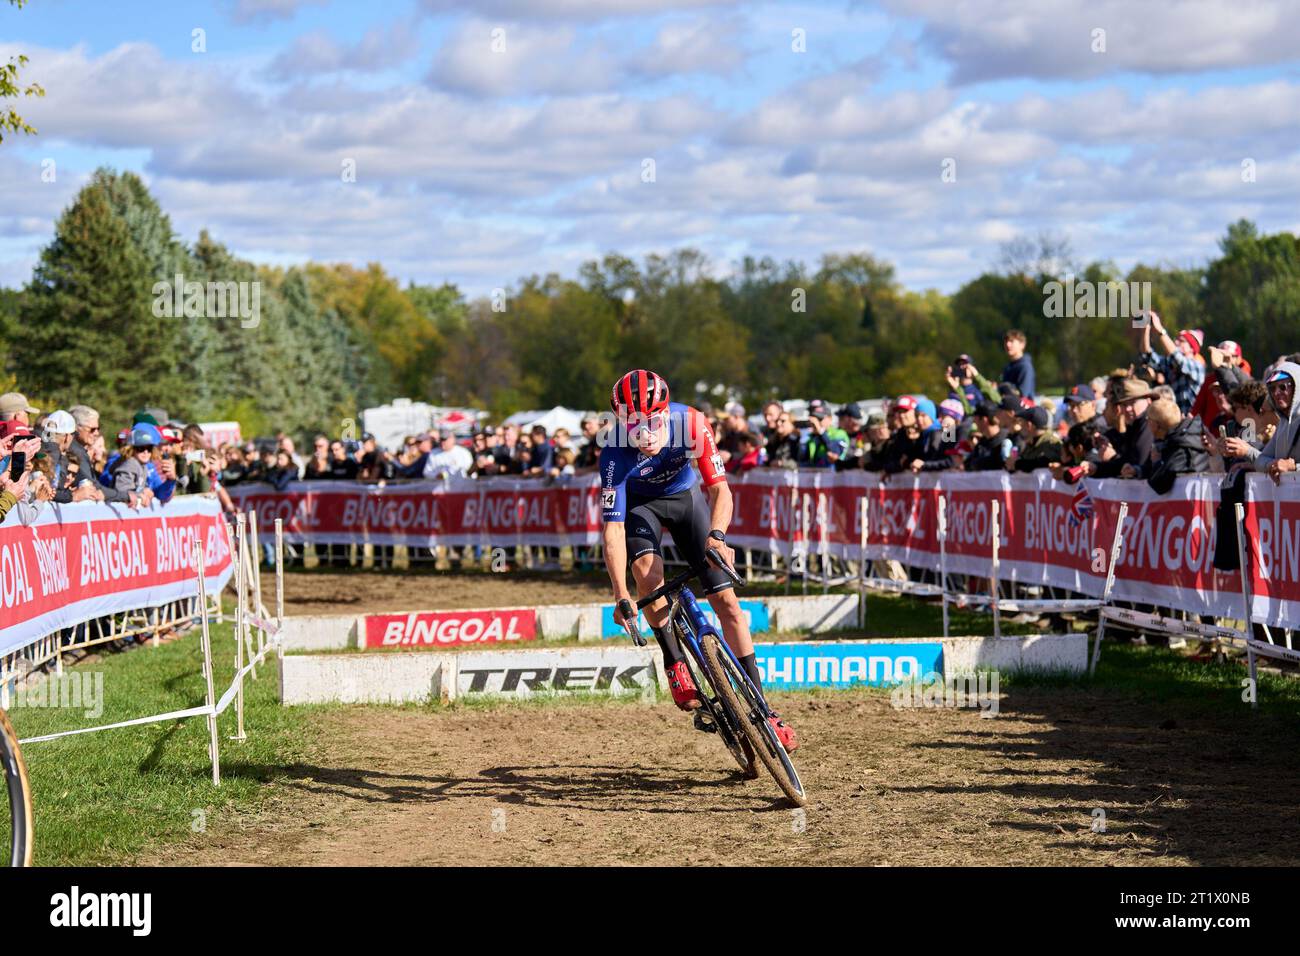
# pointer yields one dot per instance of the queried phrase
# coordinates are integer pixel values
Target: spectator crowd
(1180, 407)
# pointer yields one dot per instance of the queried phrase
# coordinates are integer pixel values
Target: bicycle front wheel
(19, 793)
(736, 694)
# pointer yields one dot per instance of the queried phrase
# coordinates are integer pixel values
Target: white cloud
(317, 52)
(251, 11)
(1055, 38)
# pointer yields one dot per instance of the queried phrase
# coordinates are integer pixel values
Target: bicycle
(731, 706)
(21, 824)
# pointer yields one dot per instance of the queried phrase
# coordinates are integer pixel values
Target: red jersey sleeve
(704, 449)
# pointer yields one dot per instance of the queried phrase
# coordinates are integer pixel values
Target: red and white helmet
(639, 393)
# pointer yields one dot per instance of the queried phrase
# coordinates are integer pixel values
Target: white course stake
(214, 749)
(1110, 583)
(824, 541)
(863, 511)
(255, 553)
(279, 586)
(943, 559)
(804, 535)
(993, 580)
(1251, 663)
(241, 623)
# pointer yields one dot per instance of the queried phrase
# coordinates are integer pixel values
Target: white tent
(557, 417)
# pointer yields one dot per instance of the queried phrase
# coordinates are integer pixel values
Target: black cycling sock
(750, 664)
(668, 644)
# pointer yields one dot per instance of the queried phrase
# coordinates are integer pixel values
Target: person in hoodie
(1278, 457)
(1180, 448)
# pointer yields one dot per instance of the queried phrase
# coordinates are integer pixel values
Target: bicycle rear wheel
(19, 796)
(738, 697)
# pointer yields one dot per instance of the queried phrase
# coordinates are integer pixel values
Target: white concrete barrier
(396, 678)
(418, 676)
(815, 613)
(320, 632)
(401, 677)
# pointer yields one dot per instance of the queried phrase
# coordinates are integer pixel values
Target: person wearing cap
(826, 443)
(1081, 407)
(850, 421)
(907, 443)
(59, 429)
(1228, 371)
(1279, 456)
(450, 460)
(130, 472)
(1042, 446)
(967, 386)
(1182, 366)
(992, 442)
(15, 407)
(877, 434)
(1131, 437)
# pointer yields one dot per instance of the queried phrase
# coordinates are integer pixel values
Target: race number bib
(607, 498)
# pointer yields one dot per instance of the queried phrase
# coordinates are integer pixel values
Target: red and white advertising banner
(1273, 534)
(449, 628)
(461, 511)
(77, 562)
(1051, 533)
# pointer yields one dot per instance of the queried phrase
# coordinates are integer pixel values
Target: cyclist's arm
(615, 541)
(613, 504)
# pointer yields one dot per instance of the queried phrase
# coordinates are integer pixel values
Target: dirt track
(320, 592)
(634, 784)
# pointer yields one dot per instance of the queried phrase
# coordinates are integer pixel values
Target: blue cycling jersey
(625, 470)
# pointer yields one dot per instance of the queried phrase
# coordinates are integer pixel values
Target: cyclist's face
(648, 432)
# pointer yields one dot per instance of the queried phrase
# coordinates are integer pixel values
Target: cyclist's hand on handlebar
(728, 554)
(618, 614)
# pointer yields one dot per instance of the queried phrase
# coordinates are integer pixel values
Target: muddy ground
(356, 592)
(620, 783)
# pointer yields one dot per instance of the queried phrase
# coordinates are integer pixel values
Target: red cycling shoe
(784, 732)
(680, 683)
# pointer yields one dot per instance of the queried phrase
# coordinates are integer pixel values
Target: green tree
(87, 329)
(11, 88)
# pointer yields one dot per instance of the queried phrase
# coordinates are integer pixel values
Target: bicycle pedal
(705, 724)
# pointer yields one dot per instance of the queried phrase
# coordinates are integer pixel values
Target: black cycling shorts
(686, 516)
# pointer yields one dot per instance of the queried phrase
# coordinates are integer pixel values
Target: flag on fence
(1080, 506)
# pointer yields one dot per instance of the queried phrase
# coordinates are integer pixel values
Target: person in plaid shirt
(1182, 365)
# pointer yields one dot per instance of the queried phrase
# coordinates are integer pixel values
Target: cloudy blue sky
(477, 165)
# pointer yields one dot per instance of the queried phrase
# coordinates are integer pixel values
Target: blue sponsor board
(850, 664)
(755, 611)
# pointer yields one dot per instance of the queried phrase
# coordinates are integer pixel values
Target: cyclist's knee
(648, 570)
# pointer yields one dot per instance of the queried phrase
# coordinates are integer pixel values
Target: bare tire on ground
(731, 686)
(19, 795)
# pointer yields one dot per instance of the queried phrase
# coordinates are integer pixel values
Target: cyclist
(647, 484)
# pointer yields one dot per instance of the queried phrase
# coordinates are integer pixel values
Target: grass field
(112, 797)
